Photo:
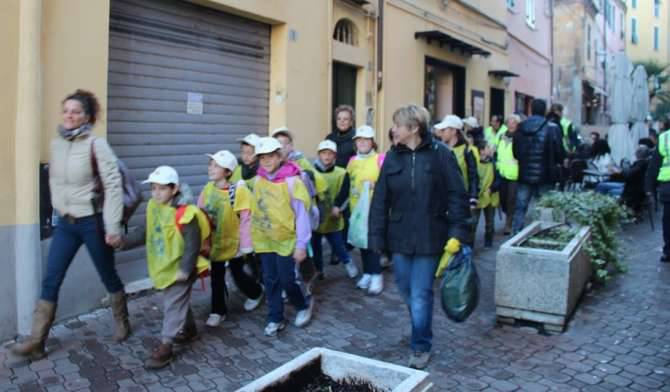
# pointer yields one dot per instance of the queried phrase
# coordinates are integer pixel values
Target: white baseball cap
(163, 175)
(251, 139)
(450, 121)
(267, 145)
(225, 159)
(327, 145)
(365, 131)
(282, 130)
(471, 122)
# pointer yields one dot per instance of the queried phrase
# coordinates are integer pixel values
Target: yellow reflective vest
(217, 203)
(664, 151)
(165, 243)
(486, 173)
(507, 165)
(335, 180)
(272, 218)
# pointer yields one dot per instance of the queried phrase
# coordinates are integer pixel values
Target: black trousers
(247, 284)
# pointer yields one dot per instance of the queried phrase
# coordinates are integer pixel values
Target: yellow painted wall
(644, 49)
(74, 55)
(404, 56)
(9, 44)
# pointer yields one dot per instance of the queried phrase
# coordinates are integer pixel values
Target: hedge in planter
(604, 215)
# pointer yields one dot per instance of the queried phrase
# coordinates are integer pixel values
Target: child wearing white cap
(176, 232)
(281, 231)
(228, 206)
(248, 162)
(364, 169)
(332, 206)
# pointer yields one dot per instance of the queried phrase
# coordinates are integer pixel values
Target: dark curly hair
(89, 102)
(600, 147)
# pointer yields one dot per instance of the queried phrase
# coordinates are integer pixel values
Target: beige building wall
(404, 56)
(643, 50)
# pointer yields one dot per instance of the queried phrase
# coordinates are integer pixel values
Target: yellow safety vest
(486, 177)
(224, 214)
(165, 243)
(507, 165)
(272, 218)
(319, 182)
(494, 139)
(565, 126)
(664, 151)
(237, 176)
(361, 171)
(334, 179)
(459, 151)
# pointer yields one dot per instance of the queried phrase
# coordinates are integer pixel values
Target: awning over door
(451, 41)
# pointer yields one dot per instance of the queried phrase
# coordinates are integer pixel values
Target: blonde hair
(413, 116)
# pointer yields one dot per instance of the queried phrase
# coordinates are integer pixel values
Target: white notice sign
(194, 104)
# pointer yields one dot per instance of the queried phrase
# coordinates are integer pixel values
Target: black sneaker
(665, 258)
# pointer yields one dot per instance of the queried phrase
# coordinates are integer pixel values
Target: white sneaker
(364, 282)
(251, 304)
(376, 284)
(303, 317)
(351, 268)
(284, 296)
(214, 320)
(273, 328)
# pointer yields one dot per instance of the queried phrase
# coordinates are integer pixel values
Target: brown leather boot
(120, 312)
(160, 357)
(33, 346)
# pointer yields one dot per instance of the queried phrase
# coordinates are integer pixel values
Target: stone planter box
(338, 365)
(541, 285)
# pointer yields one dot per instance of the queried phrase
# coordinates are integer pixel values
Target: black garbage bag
(460, 286)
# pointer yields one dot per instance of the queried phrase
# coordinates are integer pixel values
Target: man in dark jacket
(419, 205)
(343, 135)
(539, 151)
(658, 180)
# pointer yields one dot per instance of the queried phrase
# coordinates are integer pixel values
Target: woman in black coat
(419, 203)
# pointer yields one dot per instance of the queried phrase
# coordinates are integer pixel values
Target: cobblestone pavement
(619, 340)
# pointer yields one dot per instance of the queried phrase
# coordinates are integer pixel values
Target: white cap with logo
(365, 131)
(281, 130)
(267, 145)
(163, 175)
(225, 159)
(251, 139)
(450, 121)
(327, 145)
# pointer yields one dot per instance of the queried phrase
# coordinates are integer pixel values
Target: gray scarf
(71, 134)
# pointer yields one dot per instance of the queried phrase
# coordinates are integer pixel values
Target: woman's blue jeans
(69, 236)
(414, 275)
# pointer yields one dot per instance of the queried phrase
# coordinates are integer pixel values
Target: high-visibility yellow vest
(486, 174)
(565, 126)
(272, 218)
(224, 214)
(165, 243)
(334, 179)
(360, 171)
(494, 138)
(507, 165)
(460, 151)
(664, 151)
(319, 182)
(237, 176)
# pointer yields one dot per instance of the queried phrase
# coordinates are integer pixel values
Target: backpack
(132, 193)
(206, 248)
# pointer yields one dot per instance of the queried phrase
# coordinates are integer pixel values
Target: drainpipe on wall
(551, 50)
(380, 45)
(27, 256)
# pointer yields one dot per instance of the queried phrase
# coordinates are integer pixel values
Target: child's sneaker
(160, 357)
(251, 304)
(214, 320)
(273, 328)
(364, 282)
(351, 268)
(303, 317)
(376, 284)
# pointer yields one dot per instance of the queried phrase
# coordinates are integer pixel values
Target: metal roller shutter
(161, 52)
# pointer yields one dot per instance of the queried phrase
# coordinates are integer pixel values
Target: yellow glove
(450, 249)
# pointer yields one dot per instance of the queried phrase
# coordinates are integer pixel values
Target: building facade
(177, 79)
(648, 31)
(530, 32)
